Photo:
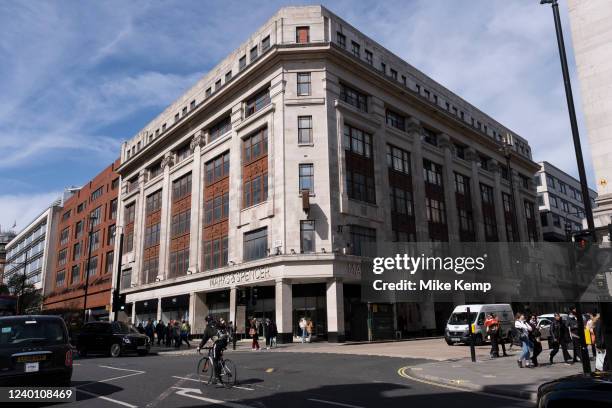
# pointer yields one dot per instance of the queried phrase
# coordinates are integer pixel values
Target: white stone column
(452, 217)
(232, 305)
(139, 228)
(335, 310)
(197, 176)
(198, 310)
(133, 312)
(418, 182)
(164, 228)
(159, 309)
(479, 229)
(499, 203)
(284, 310)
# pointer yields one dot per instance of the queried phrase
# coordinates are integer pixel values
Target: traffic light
(583, 239)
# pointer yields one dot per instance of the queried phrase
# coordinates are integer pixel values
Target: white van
(457, 328)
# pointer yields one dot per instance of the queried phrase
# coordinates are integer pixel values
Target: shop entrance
(309, 301)
(175, 308)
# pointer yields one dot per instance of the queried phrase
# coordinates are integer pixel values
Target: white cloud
(23, 208)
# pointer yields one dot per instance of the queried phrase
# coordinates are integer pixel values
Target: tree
(29, 298)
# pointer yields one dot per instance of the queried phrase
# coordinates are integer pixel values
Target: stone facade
(311, 91)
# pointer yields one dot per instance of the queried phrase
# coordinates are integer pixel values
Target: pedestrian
(589, 327)
(572, 324)
(601, 362)
(523, 330)
(268, 332)
(149, 330)
(231, 329)
(169, 333)
(273, 334)
(558, 336)
(185, 331)
(534, 337)
(309, 329)
(493, 329)
(254, 335)
(160, 330)
(176, 334)
(302, 325)
(140, 328)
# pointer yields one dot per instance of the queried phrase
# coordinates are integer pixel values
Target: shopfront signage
(241, 277)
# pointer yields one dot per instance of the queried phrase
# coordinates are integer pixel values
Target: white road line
(206, 382)
(125, 404)
(191, 393)
(339, 404)
(122, 369)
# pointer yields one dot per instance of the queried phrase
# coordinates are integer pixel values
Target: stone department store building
(273, 172)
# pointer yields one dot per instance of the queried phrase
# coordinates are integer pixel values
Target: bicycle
(206, 370)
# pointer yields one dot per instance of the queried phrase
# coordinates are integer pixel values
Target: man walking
(558, 337)
(160, 330)
(185, 329)
(572, 324)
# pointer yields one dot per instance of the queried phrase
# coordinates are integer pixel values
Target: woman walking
(254, 335)
(523, 329)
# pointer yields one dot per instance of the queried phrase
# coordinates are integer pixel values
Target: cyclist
(220, 338)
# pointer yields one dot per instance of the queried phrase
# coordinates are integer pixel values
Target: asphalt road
(266, 379)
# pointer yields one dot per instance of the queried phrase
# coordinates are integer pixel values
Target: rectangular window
(369, 57)
(462, 184)
(61, 257)
(181, 187)
(430, 137)
(75, 274)
(466, 220)
(401, 201)
(432, 172)
(176, 117)
(96, 216)
(255, 190)
(357, 141)
(257, 102)
(435, 211)
(179, 262)
(220, 128)
(64, 236)
(404, 80)
(183, 152)
(94, 240)
(306, 178)
(184, 111)
(253, 54)
(78, 229)
(97, 194)
(398, 159)
(255, 146)
(354, 97)
(304, 129)
(486, 194)
(217, 168)
(228, 76)
(242, 63)
(153, 202)
(192, 104)
(307, 237)
(303, 83)
(66, 215)
(265, 44)
(218, 83)
(383, 68)
(181, 223)
(60, 279)
(302, 35)
(80, 208)
(113, 209)
(255, 244)
(93, 266)
(76, 251)
(130, 213)
(151, 235)
(109, 262)
(396, 120)
(394, 74)
(362, 240)
(128, 242)
(341, 39)
(356, 49)
(155, 170)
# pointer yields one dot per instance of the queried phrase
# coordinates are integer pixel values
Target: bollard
(471, 329)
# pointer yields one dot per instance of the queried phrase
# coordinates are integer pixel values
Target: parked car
(458, 325)
(114, 338)
(593, 391)
(544, 322)
(34, 350)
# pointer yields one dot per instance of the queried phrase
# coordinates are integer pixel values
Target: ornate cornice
(198, 140)
(168, 161)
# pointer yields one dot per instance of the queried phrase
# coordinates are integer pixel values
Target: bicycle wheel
(228, 373)
(205, 371)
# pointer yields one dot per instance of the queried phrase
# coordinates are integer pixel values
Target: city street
(267, 379)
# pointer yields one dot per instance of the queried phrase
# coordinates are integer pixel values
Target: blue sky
(78, 78)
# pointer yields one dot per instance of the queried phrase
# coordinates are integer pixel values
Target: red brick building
(96, 200)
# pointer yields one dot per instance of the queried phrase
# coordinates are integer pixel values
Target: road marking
(189, 392)
(91, 394)
(206, 382)
(269, 370)
(402, 373)
(340, 404)
(122, 369)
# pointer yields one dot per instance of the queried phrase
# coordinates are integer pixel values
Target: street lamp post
(586, 198)
(92, 219)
